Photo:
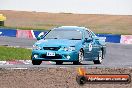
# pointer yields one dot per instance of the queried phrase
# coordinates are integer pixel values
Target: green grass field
(10, 53)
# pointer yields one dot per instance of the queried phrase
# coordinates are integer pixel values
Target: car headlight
(35, 47)
(69, 48)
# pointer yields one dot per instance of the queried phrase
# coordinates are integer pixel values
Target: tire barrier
(1, 23)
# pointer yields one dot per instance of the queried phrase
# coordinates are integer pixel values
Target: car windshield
(64, 34)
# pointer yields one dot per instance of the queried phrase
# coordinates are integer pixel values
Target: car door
(89, 46)
(96, 48)
(96, 45)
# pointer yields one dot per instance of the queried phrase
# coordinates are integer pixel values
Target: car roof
(72, 28)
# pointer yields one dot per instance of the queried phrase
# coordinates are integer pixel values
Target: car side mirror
(38, 38)
(88, 39)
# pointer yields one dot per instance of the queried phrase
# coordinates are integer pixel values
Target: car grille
(57, 56)
(51, 48)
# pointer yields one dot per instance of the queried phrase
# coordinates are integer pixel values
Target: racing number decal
(90, 47)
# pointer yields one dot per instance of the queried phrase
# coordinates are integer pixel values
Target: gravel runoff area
(55, 77)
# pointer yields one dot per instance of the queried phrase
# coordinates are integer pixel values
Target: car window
(64, 34)
(88, 34)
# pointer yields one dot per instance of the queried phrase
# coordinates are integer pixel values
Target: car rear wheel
(36, 62)
(80, 58)
(59, 62)
(100, 58)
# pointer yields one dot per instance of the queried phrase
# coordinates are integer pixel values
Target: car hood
(57, 42)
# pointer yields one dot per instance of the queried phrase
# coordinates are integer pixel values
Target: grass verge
(112, 24)
(11, 53)
(101, 29)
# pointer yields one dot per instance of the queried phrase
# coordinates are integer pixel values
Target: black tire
(80, 58)
(59, 62)
(100, 58)
(81, 80)
(76, 63)
(36, 62)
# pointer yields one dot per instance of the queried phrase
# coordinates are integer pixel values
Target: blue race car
(69, 44)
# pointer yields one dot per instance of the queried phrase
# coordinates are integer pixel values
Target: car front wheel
(100, 58)
(36, 62)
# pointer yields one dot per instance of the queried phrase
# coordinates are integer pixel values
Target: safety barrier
(20, 33)
(126, 39)
(111, 37)
(8, 32)
(32, 34)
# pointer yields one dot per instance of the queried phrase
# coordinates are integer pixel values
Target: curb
(22, 62)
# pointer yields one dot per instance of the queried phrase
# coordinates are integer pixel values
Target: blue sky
(119, 7)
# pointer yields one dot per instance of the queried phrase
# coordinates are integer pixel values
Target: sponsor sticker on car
(90, 47)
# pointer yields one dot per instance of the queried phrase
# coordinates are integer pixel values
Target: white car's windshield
(64, 34)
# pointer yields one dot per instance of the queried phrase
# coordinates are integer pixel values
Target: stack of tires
(2, 19)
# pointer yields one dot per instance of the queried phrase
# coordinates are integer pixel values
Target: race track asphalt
(118, 55)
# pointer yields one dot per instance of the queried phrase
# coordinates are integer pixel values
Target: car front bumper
(66, 56)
